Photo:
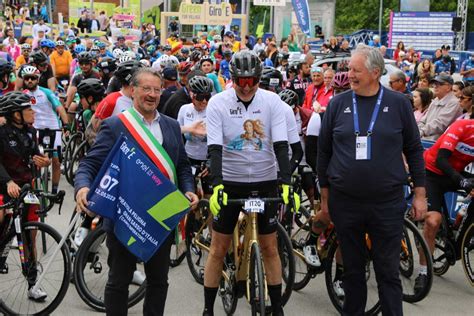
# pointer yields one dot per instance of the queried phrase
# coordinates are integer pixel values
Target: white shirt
(293, 134)
(246, 135)
(314, 125)
(196, 147)
(258, 47)
(38, 27)
(154, 126)
(6, 42)
(123, 103)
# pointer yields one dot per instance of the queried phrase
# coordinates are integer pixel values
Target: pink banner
(125, 17)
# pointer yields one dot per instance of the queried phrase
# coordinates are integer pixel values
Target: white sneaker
(138, 277)
(14, 244)
(338, 288)
(38, 295)
(311, 256)
(80, 235)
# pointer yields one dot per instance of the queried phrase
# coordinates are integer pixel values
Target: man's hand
(198, 128)
(419, 205)
(41, 161)
(214, 204)
(193, 199)
(82, 203)
(13, 189)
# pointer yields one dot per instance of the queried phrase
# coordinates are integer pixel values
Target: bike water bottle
(460, 215)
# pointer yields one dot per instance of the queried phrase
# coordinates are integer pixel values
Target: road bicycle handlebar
(57, 198)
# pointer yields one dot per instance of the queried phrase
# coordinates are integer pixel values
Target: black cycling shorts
(205, 181)
(307, 178)
(436, 186)
(226, 220)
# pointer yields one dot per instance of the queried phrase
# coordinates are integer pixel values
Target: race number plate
(254, 206)
(30, 198)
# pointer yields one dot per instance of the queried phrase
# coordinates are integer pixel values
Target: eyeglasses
(463, 97)
(43, 65)
(30, 78)
(247, 81)
(84, 63)
(202, 97)
(150, 89)
(391, 82)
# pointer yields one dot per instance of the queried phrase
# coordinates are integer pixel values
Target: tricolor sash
(150, 145)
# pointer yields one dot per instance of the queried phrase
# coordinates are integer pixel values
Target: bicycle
(454, 240)
(91, 272)
(35, 266)
(73, 141)
(243, 265)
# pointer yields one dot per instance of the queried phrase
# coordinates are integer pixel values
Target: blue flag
(301, 9)
(143, 204)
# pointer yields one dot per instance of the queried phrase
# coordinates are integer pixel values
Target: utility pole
(461, 35)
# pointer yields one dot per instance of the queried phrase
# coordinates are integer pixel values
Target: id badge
(362, 148)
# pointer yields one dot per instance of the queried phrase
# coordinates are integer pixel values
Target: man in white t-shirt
(40, 26)
(246, 132)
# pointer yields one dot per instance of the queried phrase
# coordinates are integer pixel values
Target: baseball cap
(170, 73)
(229, 34)
(443, 78)
(120, 38)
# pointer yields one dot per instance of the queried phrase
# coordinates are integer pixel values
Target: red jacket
(312, 95)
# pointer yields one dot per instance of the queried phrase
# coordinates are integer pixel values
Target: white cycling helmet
(124, 58)
(60, 43)
(145, 62)
(25, 46)
(117, 53)
(29, 71)
(130, 53)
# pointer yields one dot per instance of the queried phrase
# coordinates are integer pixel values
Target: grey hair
(144, 70)
(374, 59)
(400, 75)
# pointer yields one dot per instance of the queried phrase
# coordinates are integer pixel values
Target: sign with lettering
(205, 13)
(144, 211)
(271, 3)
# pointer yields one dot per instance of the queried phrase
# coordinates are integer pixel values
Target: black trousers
(384, 224)
(122, 264)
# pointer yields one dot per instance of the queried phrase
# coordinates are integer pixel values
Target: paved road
(451, 295)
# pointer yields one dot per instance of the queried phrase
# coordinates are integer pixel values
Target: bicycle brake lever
(220, 197)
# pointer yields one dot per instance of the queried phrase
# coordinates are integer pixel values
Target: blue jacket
(110, 131)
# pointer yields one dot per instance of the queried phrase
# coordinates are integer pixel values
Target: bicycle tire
(76, 158)
(228, 287)
(195, 256)
(175, 259)
(69, 150)
(337, 301)
(257, 281)
(285, 250)
(406, 255)
(82, 260)
(443, 249)
(467, 247)
(61, 268)
(417, 243)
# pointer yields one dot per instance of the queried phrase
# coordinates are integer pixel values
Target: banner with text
(131, 191)
(301, 9)
(271, 3)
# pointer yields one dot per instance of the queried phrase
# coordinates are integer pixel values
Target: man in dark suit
(146, 90)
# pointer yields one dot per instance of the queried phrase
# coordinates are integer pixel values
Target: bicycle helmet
(47, 43)
(290, 97)
(60, 43)
(25, 46)
(167, 47)
(71, 40)
(271, 77)
(117, 52)
(168, 61)
(226, 53)
(341, 81)
(38, 57)
(184, 50)
(91, 87)
(14, 101)
(5, 67)
(185, 67)
(100, 44)
(195, 56)
(29, 70)
(84, 57)
(79, 49)
(107, 65)
(200, 85)
(125, 71)
(123, 58)
(95, 49)
(145, 62)
(151, 49)
(245, 64)
(129, 53)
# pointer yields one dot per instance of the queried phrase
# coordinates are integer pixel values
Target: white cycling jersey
(123, 103)
(196, 147)
(44, 103)
(314, 125)
(246, 134)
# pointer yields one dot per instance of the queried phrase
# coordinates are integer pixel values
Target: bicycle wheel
(372, 306)
(76, 159)
(287, 258)
(413, 244)
(178, 248)
(467, 253)
(14, 285)
(257, 281)
(303, 274)
(91, 272)
(69, 150)
(444, 253)
(228, 286)
(198, 232)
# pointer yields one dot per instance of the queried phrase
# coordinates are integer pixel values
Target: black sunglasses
(30, 78)
(202, 97)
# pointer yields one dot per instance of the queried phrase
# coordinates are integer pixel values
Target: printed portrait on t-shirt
(251, 138)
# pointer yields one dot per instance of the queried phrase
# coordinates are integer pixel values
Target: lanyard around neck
(374, 113)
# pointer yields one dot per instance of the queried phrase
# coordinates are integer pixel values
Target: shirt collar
(156, 119)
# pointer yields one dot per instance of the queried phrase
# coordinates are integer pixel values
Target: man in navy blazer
(146, 90)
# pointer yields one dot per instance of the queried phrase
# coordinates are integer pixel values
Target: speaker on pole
(457, 23)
